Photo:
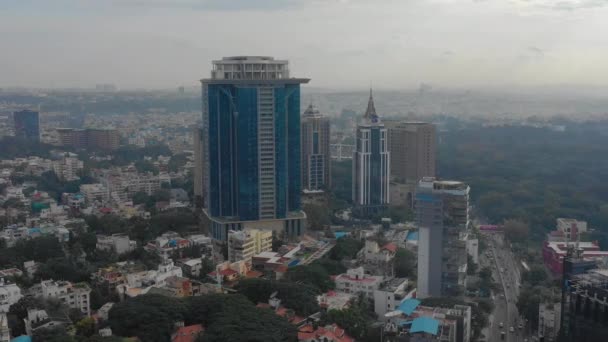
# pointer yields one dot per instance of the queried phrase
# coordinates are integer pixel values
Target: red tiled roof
(253, 274)
(391, 246)
(188, 333)
(226, 272)
(332, 332)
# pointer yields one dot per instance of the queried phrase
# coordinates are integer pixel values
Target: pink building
(555, 251)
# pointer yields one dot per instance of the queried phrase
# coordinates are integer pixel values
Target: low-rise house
(104, 311)
(355, 281)
(391, 294)
(117, 243)
(191, 267)
(332, 300)
(328, 333)
(189, 333)
(38, 319)
(412, 320)
(167, 243)
(378, 260)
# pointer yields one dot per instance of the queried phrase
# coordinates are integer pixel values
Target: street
(506, 272)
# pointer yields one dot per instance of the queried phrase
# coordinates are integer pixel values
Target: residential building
(376, 259)
(251, 127)
(413, 151)
(316, 157)
(332, 300)
(75, 296)
(328, 333)
(190, 333)
(10, 294)
(93, 138)
(68, 168)
(549, 316)
(442, 217)
(191, 267)
(243, 245)
(27, 124)
(391, 294)
(567, 230)
(94, 193)
(371, 163)
(117, 243)
(356, 281)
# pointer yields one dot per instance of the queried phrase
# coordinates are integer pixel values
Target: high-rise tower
(316, 156)
(371, 163)
(27, 124)
(251, 127)
(413, 151)
(442, 217)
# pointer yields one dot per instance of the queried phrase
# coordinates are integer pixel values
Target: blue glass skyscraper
(27, 124)
(251, 137)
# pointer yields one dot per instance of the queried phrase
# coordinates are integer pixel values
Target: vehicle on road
(502, 335)
(520, 326)
(501, 324)
(511, 329)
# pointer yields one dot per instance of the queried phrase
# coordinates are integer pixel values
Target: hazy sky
(337, 43)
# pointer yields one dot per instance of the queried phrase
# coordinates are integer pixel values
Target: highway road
(506, 272)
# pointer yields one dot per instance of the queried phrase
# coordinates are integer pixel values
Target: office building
(27, 124)
(251, 127)
(442, 217)
(243, 245)
(371, 163)
(413, 151)
(316, 158)
(93, 138)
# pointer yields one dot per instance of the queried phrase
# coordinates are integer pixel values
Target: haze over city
(339, 44)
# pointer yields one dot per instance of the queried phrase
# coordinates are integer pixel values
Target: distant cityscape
(284, 215)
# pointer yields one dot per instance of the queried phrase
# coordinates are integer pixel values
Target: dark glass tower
(27, 124)
(251, 132)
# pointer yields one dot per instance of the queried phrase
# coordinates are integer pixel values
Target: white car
(511, 329)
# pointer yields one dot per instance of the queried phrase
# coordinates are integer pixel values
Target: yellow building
(242, 245)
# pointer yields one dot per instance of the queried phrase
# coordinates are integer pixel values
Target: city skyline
(435, 42)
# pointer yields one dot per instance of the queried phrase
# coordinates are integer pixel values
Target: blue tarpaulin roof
(426, 325)
(339, 234)
(293, 262)
(408, 306)
(412, 236)
(22, 338)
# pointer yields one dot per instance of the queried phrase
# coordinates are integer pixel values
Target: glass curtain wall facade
(27, 124)
(252, 124)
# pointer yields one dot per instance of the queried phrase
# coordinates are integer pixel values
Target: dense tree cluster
(225, 318)
(299, 297)
(533, 174)
(346, 248)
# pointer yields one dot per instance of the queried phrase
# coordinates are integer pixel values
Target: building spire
(370, 112)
